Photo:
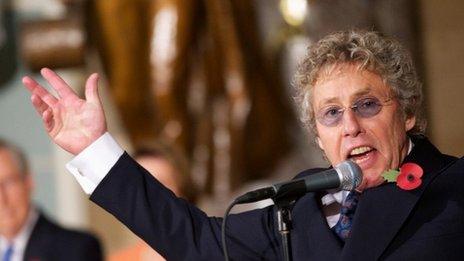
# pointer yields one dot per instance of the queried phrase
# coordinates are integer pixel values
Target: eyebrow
(356, 95)
(363, 92)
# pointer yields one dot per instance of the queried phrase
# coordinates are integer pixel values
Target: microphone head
(350, 175)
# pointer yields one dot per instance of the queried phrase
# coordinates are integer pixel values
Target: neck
(9, 236)
(407, 148)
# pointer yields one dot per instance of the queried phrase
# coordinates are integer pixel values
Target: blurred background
(211, 79)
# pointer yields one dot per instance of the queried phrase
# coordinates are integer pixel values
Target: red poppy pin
(407, 178)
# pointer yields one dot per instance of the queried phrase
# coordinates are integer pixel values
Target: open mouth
(360, 154)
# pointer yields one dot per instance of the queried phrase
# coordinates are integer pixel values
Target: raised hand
(71, 122)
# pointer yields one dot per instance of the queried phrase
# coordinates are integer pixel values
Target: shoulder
(64, 238)
(422, 145)
(57, 231)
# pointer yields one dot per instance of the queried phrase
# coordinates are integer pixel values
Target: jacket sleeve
(177, 229)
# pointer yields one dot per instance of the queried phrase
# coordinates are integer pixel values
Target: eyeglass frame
(354, 108)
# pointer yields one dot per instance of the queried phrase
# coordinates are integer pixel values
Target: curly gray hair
(371, 51)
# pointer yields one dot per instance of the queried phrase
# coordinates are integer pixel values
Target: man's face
(15, 190)
(376, 142)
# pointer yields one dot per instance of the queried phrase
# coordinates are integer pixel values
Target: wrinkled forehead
(348, 80)
(333, 70)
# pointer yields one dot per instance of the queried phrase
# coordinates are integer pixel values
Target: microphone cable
(223, 230)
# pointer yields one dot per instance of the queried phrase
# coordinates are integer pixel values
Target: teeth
(360, 160)
(360, 150)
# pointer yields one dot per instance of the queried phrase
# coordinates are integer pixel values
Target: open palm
(72, 123)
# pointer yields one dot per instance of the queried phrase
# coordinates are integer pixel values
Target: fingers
(47, 117)
(63, 90)
(39, 91)
(44, 110)
(91, 89)
(60, 86)
(30, 84)
(39, 105)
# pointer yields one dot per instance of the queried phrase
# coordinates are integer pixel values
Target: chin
(371, 178)
(370, 182)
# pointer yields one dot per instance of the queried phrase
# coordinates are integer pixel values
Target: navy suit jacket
(426, 223)
(50, 242)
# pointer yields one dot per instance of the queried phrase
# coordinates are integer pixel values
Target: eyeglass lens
(364, 108)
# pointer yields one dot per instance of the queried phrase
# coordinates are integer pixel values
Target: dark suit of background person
(390, 223)
(49, 241)
(43, 239)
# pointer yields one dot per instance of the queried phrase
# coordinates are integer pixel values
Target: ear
(409, 123)
(319, 142)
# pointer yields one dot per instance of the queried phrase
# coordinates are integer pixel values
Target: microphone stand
(284, 224)
(284, 201)
(346, 175)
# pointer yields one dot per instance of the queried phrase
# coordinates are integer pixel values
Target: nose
(351, 126)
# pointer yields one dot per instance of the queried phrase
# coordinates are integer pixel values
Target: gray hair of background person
(18, 155)
(381, 55)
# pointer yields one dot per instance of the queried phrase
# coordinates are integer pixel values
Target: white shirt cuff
(91, 165)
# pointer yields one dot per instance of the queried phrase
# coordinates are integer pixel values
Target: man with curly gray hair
(359, 93)
(375, 77)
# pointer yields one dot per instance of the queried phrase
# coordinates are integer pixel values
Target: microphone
(346, 176)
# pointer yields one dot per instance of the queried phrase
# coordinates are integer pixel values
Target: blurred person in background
(169, 168)
(25, 232)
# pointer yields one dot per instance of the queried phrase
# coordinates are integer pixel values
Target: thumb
(91, 89)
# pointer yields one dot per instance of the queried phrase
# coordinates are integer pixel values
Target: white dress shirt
(91, 165)
(20, 241)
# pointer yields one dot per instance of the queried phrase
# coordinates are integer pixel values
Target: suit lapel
(312, 239)
(383, 210)
(379, 216)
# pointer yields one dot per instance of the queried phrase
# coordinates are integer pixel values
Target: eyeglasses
(364, 108)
